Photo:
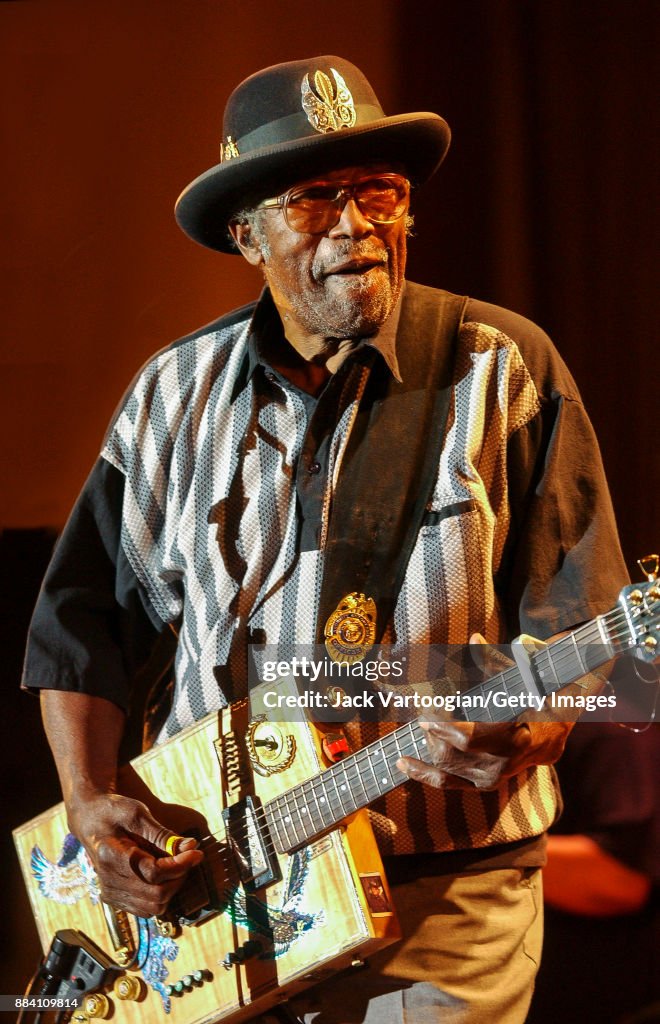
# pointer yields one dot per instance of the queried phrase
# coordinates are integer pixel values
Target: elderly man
(438, 441)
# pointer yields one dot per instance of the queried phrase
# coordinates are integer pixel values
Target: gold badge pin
(351, 629)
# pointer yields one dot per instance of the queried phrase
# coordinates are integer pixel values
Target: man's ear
(247, 244)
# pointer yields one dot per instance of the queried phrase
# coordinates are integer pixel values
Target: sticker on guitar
(72, 878)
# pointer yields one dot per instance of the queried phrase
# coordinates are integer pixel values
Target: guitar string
(319, 782)
(226, 853)
(564, 650)
(362, 761)
(261, 817)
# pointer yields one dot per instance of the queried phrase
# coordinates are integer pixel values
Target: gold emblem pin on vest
(351, 629)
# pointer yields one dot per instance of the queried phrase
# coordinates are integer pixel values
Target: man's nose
(352, 223)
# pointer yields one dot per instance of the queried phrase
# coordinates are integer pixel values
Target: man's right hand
(127, 848)
(124, 841)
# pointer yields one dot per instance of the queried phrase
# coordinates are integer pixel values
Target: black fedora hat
(295, 120)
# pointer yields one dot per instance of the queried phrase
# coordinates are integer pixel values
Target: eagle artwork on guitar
(292, 887)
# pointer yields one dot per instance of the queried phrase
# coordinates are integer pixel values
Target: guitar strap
(391, 459)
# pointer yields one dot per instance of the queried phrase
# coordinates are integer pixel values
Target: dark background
(547, 203)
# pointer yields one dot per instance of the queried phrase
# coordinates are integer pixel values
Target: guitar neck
(300, 815)
(552, 667)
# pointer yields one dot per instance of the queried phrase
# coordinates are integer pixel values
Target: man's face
(340, 284)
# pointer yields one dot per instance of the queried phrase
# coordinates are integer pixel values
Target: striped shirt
(223, 471)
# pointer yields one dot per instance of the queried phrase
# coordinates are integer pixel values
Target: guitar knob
(166, 928)
(129, 987)
(649, 644)
(96, 1006)
(176, 989)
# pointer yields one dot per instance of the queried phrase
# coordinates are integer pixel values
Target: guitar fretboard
(299, 815)
(313, 807)
(554, 667)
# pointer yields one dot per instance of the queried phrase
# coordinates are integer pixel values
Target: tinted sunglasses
(316, 208)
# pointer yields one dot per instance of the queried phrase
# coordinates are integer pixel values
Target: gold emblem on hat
(228, 150)
(351, 629)
(329, 106)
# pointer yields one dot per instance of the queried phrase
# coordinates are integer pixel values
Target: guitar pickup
(250, 844)
(198, 899)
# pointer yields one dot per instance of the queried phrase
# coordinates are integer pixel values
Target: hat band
(295, 127)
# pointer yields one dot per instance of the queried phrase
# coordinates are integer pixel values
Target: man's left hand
(466, 755)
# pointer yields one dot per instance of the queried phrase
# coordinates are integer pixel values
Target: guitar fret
(408, 747)
(302, 811)
(417, 745)
(588, 634)
(274, 822)
(376, 754)
(395, 736)
(418, 740)
(325, 811)
(365, 762)
(605, 639)
(347, 784)
(543, 659)
(332, 775)
(360, 779)
(565, 664)
(370, 764)
(313, 808)
(288, 819)
(382, 774)
(331, 796)
(319, 804)
(479, 714)
(347, 792)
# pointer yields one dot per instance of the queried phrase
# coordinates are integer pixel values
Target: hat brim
(417, 142)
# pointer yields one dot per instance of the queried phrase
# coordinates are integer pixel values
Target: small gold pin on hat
(228, 150)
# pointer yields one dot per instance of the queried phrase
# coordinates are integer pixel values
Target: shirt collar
(385, 341)
(266, 331)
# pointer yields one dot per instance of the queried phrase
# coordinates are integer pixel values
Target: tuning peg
(650, 566)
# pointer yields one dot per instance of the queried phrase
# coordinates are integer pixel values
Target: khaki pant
(470, 951)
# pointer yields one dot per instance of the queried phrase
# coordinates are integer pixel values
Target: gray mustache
(345, 252)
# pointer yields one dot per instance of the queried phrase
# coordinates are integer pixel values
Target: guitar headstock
(641, 605)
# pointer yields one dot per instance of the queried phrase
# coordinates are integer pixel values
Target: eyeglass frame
(344, 192)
